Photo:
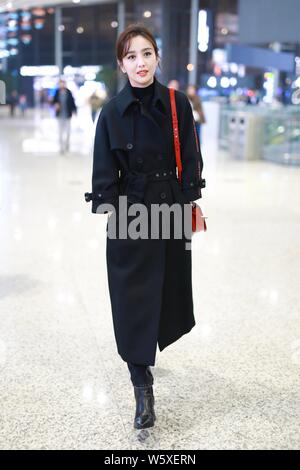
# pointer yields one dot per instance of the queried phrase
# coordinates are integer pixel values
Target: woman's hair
(124, 39)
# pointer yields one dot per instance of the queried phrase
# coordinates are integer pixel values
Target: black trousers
(140, 374)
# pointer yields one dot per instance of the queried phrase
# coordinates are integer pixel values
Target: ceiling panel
(20, 4)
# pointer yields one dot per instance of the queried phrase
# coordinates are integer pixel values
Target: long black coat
(149, 279)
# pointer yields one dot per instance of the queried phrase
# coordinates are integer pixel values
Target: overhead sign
(260, 58)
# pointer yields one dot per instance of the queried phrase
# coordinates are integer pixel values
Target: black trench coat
(149, 280)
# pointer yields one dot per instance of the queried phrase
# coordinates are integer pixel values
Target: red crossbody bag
(198, 219)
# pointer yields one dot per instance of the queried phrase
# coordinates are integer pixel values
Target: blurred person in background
(43, 98)
(174, 84)
(197, 107)
(96, 103)
(13, 101)
(23, 104)
(64, 105)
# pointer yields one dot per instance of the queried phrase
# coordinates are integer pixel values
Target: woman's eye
(133, 56)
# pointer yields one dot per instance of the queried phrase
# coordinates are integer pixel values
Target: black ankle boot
(144, 415)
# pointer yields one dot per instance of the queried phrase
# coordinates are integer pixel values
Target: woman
(149, 278)
(196, 104)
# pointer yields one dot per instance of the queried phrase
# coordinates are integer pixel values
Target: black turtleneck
(144, 94)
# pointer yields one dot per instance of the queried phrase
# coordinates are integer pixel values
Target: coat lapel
(124, 102)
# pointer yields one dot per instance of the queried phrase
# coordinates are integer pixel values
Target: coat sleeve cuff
(99, 201)
(192, 190)
(192, 194)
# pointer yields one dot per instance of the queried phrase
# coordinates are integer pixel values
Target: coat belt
(135, 182)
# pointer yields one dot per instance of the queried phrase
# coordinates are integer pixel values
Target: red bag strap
(176, 133)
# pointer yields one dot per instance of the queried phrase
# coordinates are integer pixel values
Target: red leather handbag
(198, 219)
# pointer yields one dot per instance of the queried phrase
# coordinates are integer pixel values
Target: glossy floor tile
(232, 383)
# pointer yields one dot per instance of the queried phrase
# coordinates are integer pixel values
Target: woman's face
(140, 57)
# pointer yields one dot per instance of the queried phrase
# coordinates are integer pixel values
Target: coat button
(129, 146)
(99, 195)
(191, 183)
(139, 160)
(163, 195)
